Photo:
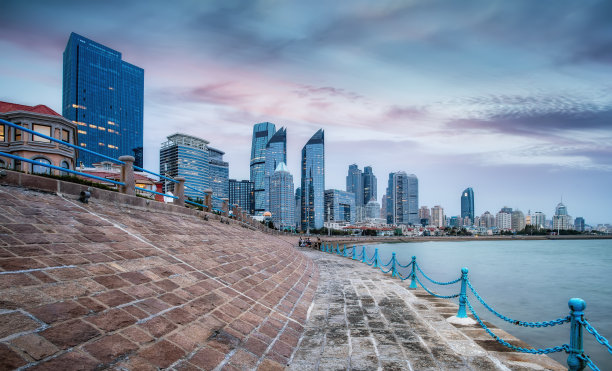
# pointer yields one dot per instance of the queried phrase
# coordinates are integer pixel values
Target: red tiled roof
(10, 107)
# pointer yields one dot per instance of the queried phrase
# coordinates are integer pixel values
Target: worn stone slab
(362, 319)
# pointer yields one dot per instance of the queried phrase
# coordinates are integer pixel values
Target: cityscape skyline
(536, 114)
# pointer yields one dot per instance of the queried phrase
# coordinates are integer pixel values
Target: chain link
(600, 339)
(433, 293)
(556, 349)
(403, 266)
(555, 322)
(386, 265)
(436, 282)
(588, 361)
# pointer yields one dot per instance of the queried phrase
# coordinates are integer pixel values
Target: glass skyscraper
(103, 95)
(241, 194)
(369, 185)
(276, 152)
(354, 183)
(282, 199)
(218, 172)
(313, 182)
(262, 133)
(186, 156)
(402, 199)
(467, 204)
(339, 206)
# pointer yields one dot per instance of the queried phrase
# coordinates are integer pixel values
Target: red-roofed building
(41, 119)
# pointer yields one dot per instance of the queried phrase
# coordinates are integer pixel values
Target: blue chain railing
(577, 360)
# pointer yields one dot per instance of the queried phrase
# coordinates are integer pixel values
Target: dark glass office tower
(369, 185)
(103, 95)
(187, 156)
(354, 184)
(262, 133)
(467, 204)
(402, 199)
(241, 194)
(313, 182)
(276, 152)
(218, 172)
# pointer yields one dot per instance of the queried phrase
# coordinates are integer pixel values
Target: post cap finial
(413, 257)
(576, 304)
(464, 270)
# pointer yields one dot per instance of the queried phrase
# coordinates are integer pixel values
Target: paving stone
(16, 322)
(110, 348)
(35, 346)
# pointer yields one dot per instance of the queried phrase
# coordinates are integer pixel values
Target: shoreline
(404, 239)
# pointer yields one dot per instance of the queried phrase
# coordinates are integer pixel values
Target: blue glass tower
(262, 133)
(218, 173)
(402, 199)
(103, 95)
(186, 156)
(339, 206)
(354, 184)
(282, 199)
(276, 152)
(467, 204)
(369, 185)
(313, 182)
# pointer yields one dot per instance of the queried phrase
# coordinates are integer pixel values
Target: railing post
(393, 270)
(363, 252)
(413, 284)
(376, 258)
(337, 248)
(354, 252)
(461, 313)
(225, 206)
(344, 252)
(208, 199)
(577, 307)
(127, 175)
(179, 191)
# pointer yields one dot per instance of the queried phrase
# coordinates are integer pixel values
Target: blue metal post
(393, 270)
(337, 248)
(354, 252)
(344, 253)
(413, 284)
(574, 363)
(461, 313)
(363, 253)
(376, 258)
(324, 247)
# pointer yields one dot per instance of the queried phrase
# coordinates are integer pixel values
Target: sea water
(526, 280)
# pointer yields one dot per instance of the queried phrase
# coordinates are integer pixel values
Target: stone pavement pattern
(362, 319)
(109, 286)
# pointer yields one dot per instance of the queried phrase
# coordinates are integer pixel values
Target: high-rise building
(467, 204)
(298, 205)
(282, 199)
(579, 224)
(561, 220)
(104, 96)
(517, 220)
(369, 185)
(487, 220)
(354, 184)
(218, 172)
(241, 193)
(186, 156)
(313, 182)
(503, 219)
(539, 220)
(437, 217)
(339, 206)
(402, 199)
(276, 152)
(262, 133)
(372, 210)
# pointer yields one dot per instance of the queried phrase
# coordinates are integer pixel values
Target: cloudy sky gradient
(511, 98)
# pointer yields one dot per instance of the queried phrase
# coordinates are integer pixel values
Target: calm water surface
(527, 281)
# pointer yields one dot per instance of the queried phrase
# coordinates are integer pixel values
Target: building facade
(276, 152)
(372, 210)
(369, 184)
(339, 206)
(437, 217)
(487, 220)
(104, 96)
(262, 133)
(561, 220)
(282, 199)
(41, 119)
(313, 182)
(579, 224)
(187, 156)
(241, 193)
(517, 220)
(503, 219)
(354, 183)
(218, 173)
(467, 204)
(402, 199)
(538, 220)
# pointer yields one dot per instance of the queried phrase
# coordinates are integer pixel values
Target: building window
(65, 136)
(17, 134)
(40, 169)
(1, 133)
(2, 164)
(64, 165)
(43, 129)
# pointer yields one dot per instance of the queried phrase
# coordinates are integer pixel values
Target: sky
(511, 98)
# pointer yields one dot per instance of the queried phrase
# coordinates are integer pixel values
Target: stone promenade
(362, 319)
